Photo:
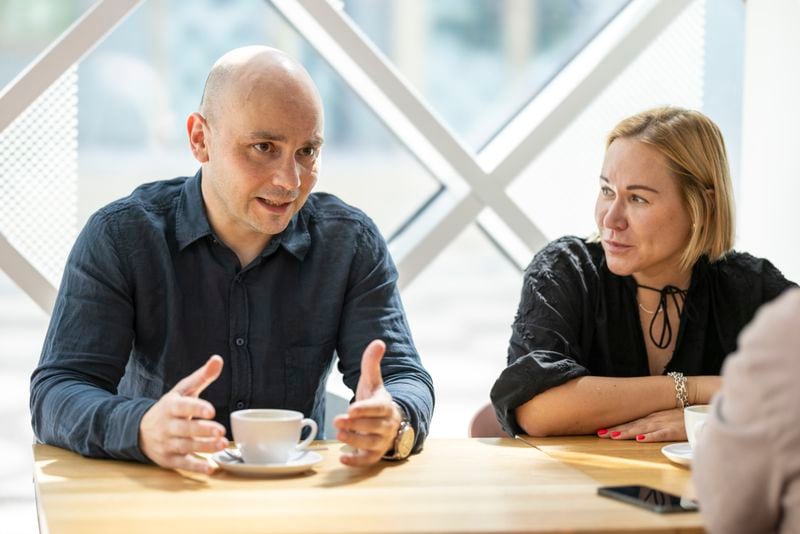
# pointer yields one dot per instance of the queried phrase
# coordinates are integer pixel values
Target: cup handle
(313, 434)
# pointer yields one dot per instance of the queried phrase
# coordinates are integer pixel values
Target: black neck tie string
(678, 297)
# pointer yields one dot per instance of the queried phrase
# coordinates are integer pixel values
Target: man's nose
(286, 175)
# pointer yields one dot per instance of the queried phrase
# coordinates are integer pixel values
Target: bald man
(232, 289)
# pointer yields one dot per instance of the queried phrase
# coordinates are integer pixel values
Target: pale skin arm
(642, 408)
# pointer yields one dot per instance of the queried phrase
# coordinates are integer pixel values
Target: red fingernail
(615, 434)
(602, 432)
(640, 437)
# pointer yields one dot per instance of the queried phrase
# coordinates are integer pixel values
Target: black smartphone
(650, 498)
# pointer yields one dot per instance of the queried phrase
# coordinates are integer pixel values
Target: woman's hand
(666, 425)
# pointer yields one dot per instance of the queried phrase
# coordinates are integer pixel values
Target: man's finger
(187, 407)
(186, 428)
(360, 458)
(370, 442)
(373, 407)
(367, 425)
(192, 445)
(371, 379)
(189, 462)
(195, 383)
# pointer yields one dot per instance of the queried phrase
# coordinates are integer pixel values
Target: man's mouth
(274, 206)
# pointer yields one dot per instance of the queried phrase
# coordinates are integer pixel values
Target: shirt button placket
(240, 368)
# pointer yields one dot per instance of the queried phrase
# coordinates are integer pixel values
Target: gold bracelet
(680, 389)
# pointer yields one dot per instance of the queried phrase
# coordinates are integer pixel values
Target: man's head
(258, 135)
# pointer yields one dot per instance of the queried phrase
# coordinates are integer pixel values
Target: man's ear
(197, 127)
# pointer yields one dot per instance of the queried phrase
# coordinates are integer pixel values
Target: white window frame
(471, 181)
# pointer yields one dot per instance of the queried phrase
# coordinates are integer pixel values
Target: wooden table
(458, 485)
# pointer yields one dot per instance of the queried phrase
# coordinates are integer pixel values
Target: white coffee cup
(694, 417)
(266, 436)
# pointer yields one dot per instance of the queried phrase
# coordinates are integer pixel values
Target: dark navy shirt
(576, 318)
(149, 293)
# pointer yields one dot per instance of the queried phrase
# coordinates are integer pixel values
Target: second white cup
(267, 436)
(694, 417)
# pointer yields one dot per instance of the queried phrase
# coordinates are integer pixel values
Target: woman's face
(642, 218)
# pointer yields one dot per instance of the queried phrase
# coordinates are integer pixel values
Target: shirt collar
(192, 223)
(295, 239)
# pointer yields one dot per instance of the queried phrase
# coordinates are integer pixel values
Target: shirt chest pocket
(306, 370)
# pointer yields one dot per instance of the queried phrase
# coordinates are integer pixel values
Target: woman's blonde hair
(694, 147)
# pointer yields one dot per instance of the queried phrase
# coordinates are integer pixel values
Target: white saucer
(299, 464)
(680, 453)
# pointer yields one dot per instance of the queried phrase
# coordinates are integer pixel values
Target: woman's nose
(615, 218)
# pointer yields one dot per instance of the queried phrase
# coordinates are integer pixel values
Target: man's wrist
(404, 436)
(398, 417)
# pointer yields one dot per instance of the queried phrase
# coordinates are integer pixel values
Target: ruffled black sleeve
(549, 331)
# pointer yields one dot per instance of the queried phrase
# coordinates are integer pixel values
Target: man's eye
(264, 147)
(606, 191)
(308, 152)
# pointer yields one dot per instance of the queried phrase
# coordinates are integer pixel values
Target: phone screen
(650, 498)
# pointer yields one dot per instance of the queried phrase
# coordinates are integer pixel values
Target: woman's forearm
(586, 404)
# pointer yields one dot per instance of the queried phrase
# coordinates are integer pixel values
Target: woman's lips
(615, 246)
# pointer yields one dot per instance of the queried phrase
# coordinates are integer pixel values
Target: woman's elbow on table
(535, 421)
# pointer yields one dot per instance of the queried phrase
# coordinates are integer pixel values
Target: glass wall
(476, 63)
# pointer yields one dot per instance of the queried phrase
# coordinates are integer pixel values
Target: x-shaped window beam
(473, 181)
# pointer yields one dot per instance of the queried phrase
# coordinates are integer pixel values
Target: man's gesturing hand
(372, 422)
(177, 425)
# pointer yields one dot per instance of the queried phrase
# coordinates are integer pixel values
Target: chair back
(484, 424)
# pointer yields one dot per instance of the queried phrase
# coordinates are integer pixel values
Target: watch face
(405, 442)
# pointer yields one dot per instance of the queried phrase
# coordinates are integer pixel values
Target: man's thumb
(195, 383)
(371, 379)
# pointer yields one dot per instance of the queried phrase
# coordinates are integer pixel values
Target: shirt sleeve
(74, 402)
(746, 464)
(373, 310)
(545, 349)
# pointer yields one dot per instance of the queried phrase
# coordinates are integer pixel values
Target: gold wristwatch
(404, 441)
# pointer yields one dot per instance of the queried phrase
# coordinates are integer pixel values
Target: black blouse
(576, 318)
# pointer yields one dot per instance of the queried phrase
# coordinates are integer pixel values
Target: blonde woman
(616, 334)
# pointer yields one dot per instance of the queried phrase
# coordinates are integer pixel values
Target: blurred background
(116, 120)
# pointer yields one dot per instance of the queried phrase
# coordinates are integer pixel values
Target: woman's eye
(606, 191)
(263, 147)
(638, 200)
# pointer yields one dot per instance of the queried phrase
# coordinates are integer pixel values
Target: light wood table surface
(618, 462)
(453, 486)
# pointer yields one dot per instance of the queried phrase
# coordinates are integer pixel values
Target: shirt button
(239, 405)
(239, 341)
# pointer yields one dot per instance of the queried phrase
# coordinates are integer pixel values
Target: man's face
(263, 150)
